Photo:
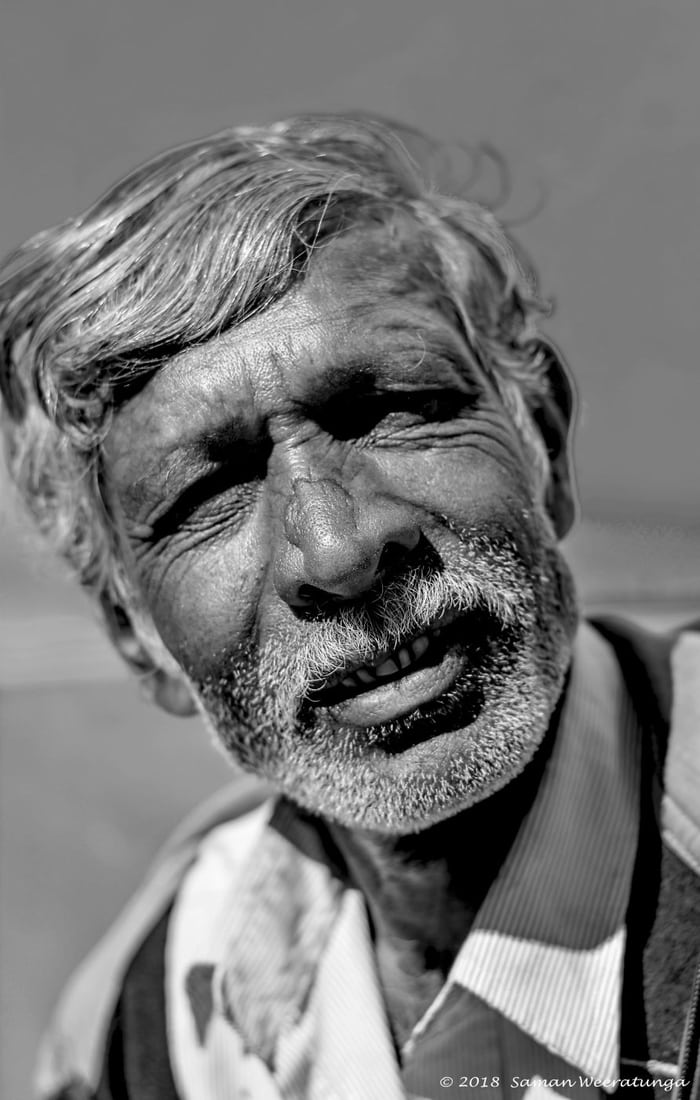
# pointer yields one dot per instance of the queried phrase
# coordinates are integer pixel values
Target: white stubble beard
(344, 774)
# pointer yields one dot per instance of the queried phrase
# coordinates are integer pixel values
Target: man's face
(334, 525)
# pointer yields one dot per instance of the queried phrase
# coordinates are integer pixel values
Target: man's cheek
(205, 606)
(463, 483)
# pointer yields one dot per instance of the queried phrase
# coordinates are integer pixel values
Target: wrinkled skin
(303, 494)
(307, 491)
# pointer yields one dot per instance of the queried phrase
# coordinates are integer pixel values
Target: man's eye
(432, 407)
(241, 483)
(395, 410)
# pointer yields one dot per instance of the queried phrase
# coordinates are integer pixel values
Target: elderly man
(287, 410)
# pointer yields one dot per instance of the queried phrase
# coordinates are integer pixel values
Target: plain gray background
(596, 107)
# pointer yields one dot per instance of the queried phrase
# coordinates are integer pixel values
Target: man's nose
(337, 547)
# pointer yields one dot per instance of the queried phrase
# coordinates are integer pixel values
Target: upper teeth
(399, 659)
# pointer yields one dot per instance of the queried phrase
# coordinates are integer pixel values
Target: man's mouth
(387, 667)
(396, 682)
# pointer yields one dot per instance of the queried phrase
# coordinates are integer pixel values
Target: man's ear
(555, 417)
(160, 679)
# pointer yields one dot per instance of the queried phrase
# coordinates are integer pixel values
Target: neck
(424, 890)
(427, 887)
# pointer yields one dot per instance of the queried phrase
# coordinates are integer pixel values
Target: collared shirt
(272, 988)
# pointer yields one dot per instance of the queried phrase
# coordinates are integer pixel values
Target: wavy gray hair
(199, 239)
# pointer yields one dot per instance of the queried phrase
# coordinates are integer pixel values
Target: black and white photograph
(350, 550)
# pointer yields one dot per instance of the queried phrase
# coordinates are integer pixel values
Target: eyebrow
(180, 460)
(410, 355)
(209, 446)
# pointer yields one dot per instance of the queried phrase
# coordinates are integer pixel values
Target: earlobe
(165, 687)
(172, 695)
(561, 502)
(555, 418)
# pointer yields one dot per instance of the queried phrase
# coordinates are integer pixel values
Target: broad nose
(337, 547)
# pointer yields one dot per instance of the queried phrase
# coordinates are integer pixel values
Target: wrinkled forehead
(369, 306)
(363, 290)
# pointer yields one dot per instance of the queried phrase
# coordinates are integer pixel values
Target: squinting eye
(439, 406)
(427, 406)
(237, 480)
(354, 418)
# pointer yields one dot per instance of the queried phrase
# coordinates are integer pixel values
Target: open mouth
(422, 653)
(385, 668)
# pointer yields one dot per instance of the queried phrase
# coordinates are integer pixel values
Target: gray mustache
(358, 635)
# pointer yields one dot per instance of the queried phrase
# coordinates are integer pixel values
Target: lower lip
(398, 698)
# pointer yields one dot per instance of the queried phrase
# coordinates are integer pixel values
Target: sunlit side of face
(334, 524)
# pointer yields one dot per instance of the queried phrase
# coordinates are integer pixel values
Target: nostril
(309, 602)
(308, 596)
(393, 559)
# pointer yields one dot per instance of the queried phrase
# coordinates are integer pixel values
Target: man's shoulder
(98, 999)
(661, 672)
(662, 677)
